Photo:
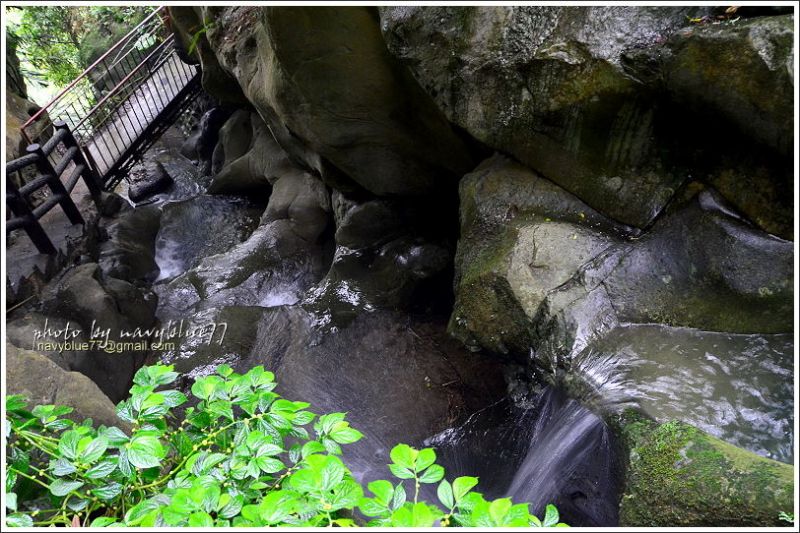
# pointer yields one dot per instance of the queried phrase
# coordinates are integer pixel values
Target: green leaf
(269, 465)
(200, 519)
(113, 435)
(399, 497)
(311, 447)
(332, 472)
(462, 485)
(498, 510)
(11, 480)
(125, 411)
(224, 370)
(208, 387)
(61, 487)
(103, 521)
(62, 467)
(140, 512)
(346, 495)
(372, 507)
(326, 422)
(93, 450)
(11, 501)
(145, 451)
(155, 375)
(433, 474)
(383, 491)
(301, 418)
(403, 455)
(277, 507)
(15, 402)
(445, 494)
(401, 472)
(346, 435)
(550, 516)
(108, 491)
(101, 469)
(19, 520)
(68, 444)
(173, 398)
(425, 458)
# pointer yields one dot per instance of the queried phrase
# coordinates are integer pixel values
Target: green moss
(680, 476)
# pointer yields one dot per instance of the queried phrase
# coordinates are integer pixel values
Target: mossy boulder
(537, 269)
(679, 476)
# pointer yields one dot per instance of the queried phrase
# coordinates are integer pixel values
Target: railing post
(89, 175)
(54, 182)
(20, 208)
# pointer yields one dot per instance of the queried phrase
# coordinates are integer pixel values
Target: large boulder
(283, 257)
(616, 104)
(42, 382)
(389, 254)
(156, 180)
(247, 159)
(679, 476)
(100, 305)
(322, 76)
(537, 269)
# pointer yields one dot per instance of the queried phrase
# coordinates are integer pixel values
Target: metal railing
(114, 101)
(99, 126)
(60, 178)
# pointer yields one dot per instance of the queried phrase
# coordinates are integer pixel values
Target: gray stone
(620, 104)
(129, 251)
(336, 89)
(248, 158)
(42, 382)
(547, 275)
(84, 297)
(156, 181)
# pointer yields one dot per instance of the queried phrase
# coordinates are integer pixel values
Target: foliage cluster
(58, 42)
(240, 456)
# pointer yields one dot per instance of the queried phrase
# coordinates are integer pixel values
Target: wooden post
(54, 182)
(89, 175)
(20, 208)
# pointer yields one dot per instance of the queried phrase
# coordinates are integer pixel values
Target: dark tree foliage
(57, 43)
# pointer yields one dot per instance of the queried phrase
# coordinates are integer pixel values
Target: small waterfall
(556, 452)
(571, 461)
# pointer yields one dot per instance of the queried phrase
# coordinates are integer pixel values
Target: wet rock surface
(540, 83)
(577, 319)
(97, 303)
(157, 180)
(382, 366)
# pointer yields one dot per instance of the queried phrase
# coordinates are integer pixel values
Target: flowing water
(738, 388)
(555, 451)
(551, 449)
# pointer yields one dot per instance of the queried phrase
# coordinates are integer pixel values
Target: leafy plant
(242, 456)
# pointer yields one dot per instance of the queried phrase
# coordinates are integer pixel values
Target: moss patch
(680, 476)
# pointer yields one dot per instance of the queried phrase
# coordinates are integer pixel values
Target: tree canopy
(56, 43)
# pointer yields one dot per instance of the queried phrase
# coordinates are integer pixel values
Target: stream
(549, 448)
